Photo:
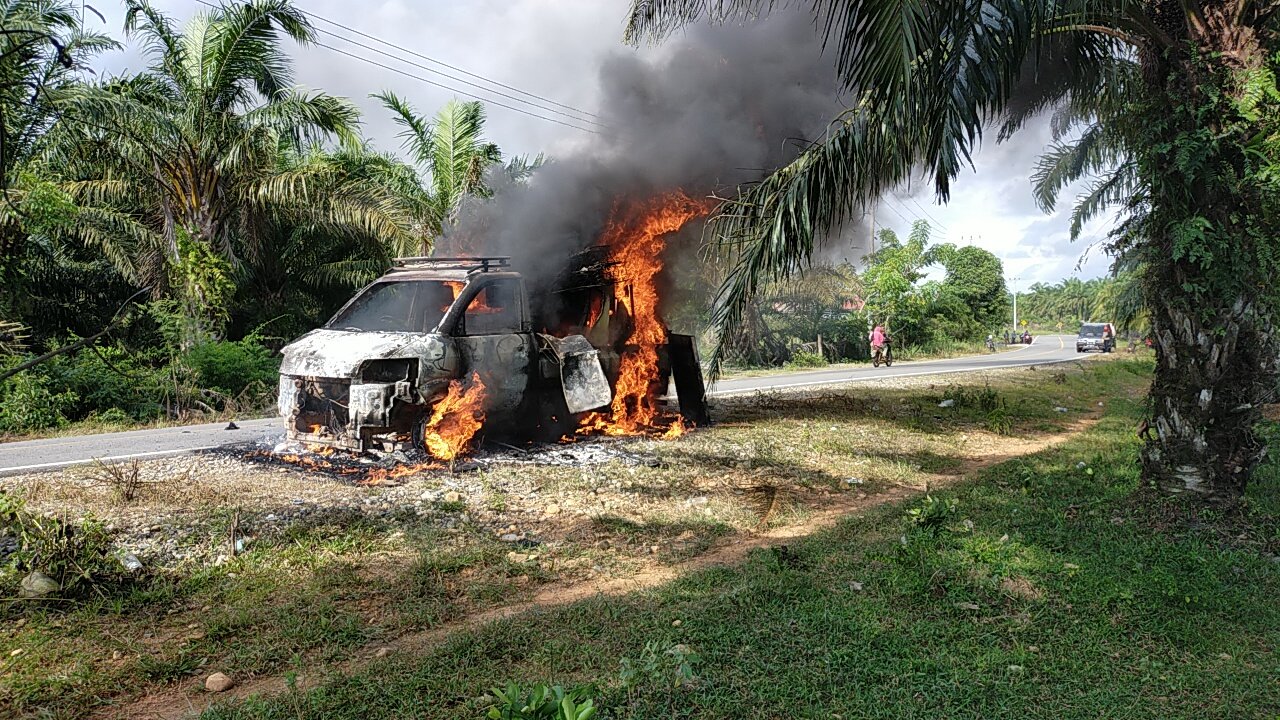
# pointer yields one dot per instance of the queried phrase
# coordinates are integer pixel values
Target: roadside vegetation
(1062, 306)
(825, 313)
(391, 599)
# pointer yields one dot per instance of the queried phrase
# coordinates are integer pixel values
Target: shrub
(77, 555)
(229, 368)
(807, 360)
(932, 514)
(986, 399)
(661, 667)
(27, 403)
(109, 380)
(541, 703)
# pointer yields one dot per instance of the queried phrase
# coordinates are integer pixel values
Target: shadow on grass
(1040, 592)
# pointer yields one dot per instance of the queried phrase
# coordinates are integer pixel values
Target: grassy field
(1039, 589)
(1047, 584)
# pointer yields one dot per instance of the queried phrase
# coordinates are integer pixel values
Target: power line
(447, 65)
(927, 214)
(455, 78)
(442, 85)
(895, 212)
(452, 89)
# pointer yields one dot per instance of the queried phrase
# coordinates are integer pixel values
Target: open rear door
(581, 376)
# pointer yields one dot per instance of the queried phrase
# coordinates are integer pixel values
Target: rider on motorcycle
(878, 339)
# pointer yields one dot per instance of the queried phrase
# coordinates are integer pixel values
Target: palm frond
(246, 47)
(521, 167)
(1116, 188)
(307, 118)
(159, 40)
(416, 137)
(1065, 163)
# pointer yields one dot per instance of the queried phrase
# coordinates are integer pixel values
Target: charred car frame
(369, 377)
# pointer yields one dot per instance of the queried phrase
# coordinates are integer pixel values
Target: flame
(382, 475)
(636, 235)
(322, 450)
(479, 304)
(455, 420)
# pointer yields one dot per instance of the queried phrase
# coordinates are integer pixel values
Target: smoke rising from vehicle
(708, 110)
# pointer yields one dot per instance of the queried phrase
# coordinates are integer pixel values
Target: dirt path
(823, 511)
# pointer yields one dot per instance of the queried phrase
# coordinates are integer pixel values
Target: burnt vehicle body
(369, 377)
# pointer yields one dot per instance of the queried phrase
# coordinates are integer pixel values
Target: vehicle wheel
(875, 361)
(888, 360)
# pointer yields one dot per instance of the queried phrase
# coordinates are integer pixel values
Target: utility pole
(873, 225)
(1014, 286)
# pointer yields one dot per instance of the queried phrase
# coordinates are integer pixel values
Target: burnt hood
(340, 353)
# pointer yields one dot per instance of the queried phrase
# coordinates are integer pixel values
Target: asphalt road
(52, 453)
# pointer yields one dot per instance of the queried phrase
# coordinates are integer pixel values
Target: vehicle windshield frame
(429, 320)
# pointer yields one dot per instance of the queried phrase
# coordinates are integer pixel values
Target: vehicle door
(494, 340)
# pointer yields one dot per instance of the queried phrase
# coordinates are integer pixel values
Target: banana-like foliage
(450, 150)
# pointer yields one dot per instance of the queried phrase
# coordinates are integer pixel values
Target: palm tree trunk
(1212, 378)
(1209, 244)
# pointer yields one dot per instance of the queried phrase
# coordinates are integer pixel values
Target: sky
(554, 49)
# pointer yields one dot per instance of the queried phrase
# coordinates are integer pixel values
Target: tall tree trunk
(1213, 373)
(1210, 244)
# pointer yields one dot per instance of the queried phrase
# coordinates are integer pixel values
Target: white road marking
(112, 458)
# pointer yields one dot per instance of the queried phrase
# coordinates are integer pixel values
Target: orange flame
(382, 475)
(636, 234)
(455, 420)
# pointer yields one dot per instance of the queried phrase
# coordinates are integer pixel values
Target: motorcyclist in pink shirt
(877, 338)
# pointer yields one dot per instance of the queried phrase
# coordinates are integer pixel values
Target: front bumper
(337, 412)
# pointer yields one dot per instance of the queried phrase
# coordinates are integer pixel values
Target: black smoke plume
(709, 110)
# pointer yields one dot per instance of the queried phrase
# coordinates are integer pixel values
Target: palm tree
(452, 153)
(176, 171)
(195, 139)
(308, 258)
(42, 50)
(1203, 130)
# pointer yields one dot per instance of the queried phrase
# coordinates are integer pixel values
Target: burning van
(439, 348)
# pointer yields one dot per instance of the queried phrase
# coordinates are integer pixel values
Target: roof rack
(470, 264)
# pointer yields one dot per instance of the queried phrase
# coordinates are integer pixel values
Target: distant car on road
(1096, 336)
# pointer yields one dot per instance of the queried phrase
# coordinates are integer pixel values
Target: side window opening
(495, 310)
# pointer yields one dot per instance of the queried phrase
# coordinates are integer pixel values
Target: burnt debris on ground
(393, 468)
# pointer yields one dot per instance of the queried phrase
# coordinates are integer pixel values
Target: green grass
(1051, 591)
(339, 584)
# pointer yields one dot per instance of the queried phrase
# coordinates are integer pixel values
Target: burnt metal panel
(687, 371)
(581, 375)
(503, 363)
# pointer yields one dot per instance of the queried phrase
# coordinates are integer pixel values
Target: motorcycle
(885, 356)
